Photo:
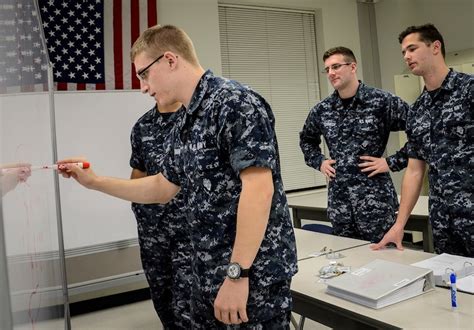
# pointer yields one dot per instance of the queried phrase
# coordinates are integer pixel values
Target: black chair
(318, 228)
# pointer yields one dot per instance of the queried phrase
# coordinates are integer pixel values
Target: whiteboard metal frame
(6, 318)
(54, 149)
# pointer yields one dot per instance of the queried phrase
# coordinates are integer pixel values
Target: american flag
(23, 62)
(89, 41)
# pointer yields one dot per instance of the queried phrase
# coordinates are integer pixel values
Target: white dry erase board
(97, 125)
(92, 124)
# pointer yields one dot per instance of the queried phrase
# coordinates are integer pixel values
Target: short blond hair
(158, 39)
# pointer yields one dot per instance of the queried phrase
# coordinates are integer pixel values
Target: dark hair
(428, 33)
(346, 52)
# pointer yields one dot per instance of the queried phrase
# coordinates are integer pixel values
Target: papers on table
(466, 284)
(444, 264)
(381, 283)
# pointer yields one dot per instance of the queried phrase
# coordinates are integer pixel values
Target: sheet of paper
(466, 284)
(442, 262)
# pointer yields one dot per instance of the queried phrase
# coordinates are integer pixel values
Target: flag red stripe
(100, 86)
(118, 60)
(27, 88)
(81, 86)
(62, 86)
(134, 33)
(152, 14)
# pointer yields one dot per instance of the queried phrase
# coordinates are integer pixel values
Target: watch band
(244, 272)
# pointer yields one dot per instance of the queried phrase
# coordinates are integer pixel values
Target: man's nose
(143, 87)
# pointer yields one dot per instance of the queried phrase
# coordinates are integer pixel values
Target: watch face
(233, 271)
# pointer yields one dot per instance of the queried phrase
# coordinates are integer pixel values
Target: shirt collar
(448, 82)
(447, 85)
(360, 90)
(200, 91)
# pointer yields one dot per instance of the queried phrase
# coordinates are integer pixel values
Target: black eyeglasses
(143, 73)
(334, 67)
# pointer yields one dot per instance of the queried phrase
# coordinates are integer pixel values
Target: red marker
(60, 166)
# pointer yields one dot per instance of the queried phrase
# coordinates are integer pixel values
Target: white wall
(201, 22)
(453, 18)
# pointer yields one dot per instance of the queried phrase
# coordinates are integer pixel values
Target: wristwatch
(235, 271)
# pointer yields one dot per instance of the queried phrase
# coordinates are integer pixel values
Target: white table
(308, 242)
(430, 310)
(313, 206)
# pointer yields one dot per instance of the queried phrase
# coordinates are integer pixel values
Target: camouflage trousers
(362, 210)
(281, 322)
(166, 258)
(267, 308)
(453, 225)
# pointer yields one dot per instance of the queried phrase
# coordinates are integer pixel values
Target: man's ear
(354, 67)
(436, 47)
(171, 59)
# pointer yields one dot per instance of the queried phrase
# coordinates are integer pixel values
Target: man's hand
(230, 306)
(12, 175)
(23, 173)
(327, 169)
(394, 235)
(85, 177)
(373, 165)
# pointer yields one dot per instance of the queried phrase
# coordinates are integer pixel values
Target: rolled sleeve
(399, 160)
(137, 160)
(413, 152)
(170, 171)
(310, 141)
(250, 136)
(256, 155)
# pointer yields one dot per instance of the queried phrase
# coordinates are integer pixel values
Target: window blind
(274, 52)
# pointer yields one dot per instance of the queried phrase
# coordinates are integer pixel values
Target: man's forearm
(411, 187)
(252, 218)
(151, 189)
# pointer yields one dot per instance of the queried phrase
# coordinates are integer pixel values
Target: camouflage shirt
(363, 128)
(150, 145)
(226, 129)
(148, 140)
(440, 130)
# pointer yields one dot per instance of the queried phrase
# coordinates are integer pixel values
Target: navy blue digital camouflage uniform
(163, 232)
(226, 129)
(440, 129)
(358, 206)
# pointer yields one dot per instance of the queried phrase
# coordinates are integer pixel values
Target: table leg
(296, 218)
(428, 239)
